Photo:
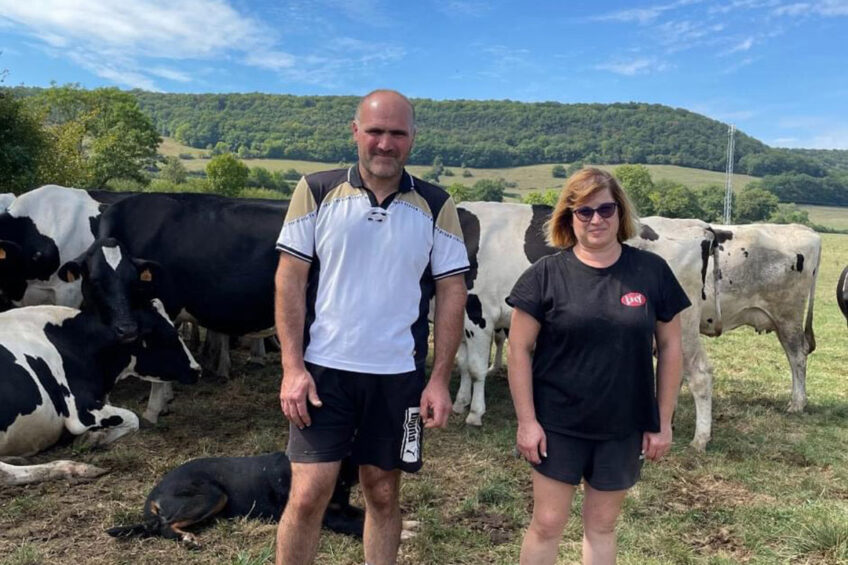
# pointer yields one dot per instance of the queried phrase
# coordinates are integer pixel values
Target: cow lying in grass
(57, 367)
(230, 487)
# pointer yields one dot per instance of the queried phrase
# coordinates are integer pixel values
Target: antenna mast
(728, 179)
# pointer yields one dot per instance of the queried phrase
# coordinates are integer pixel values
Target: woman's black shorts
(613, 464)
(373, 418)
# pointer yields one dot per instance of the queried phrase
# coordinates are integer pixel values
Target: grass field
(526, 178)
(830, 216)
(771, 488)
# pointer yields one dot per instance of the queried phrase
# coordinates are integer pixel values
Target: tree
(227, 175)
(488, 190)
(103, 131)
(548, 197)
(674, 200)
(558, 172)
(459, 192)
(636, 181)
(173, 171)
(22, 145)
(573, 168)
(754, 205)
(260, 177)
(711, 201)
(790, 214)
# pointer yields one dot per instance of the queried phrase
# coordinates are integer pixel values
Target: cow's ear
(9, 250)
(148, 271)
(70, 271)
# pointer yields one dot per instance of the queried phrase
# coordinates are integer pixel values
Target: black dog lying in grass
(230, 487)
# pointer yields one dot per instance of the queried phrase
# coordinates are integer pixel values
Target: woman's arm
(669, 373)
(530, 438)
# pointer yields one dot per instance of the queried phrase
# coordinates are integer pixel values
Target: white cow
(6, 200)
(504, 239)
(767, 279)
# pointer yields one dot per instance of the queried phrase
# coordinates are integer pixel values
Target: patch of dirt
(709, 492)
(500, 528)
(721, 541)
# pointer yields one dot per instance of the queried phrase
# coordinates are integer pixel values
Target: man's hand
(435, 404)
(531, 442)
(656, 445)
(296, 387)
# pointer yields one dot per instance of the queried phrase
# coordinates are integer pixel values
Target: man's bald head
(384, 95)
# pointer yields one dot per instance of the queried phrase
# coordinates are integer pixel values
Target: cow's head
(159, 352)
(115, 286)
(36, 256)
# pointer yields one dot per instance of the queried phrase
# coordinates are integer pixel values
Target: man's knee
(381, 488)
(311, 488)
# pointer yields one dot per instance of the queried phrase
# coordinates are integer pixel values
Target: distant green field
(830, 216)
(531, 177)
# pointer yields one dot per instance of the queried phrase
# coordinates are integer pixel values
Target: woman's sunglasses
(605, 210)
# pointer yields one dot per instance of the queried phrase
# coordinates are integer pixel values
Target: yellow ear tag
(146, 275)
(70, 277)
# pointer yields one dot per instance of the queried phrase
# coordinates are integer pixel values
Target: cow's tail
(809, 335)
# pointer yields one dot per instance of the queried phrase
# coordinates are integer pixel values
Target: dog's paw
(409, 529)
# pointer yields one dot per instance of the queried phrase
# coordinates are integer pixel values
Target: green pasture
(772, 487)
(830, 216)
(535, 177)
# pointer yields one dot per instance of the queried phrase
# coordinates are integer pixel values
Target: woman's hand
(656, 445)
(531, 442)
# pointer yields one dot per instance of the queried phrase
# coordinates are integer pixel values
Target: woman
(580, 365)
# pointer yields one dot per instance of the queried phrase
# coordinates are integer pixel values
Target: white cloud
(171, 74)
(742, 46)
(468, 8)
(825, 8)
(273, 60)
(633, 67)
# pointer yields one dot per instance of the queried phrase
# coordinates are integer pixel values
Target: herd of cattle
(94, 283)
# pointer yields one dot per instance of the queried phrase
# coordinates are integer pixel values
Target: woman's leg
(551, 506)
(600, 512)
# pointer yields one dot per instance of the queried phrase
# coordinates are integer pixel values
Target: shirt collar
(355, 179)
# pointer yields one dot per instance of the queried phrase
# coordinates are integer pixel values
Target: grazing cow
(230, 487)
(767, 276)
(57, 367)
(41, 230)
(842, 292)
(504, 239)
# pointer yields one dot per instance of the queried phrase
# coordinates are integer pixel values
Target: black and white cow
(504, 239)
(41, 230)
(767, 280)
(6, 200)
(57, 367)
(842, 292)
(217, 256)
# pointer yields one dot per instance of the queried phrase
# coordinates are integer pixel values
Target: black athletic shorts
(372, 418)
(613, 464)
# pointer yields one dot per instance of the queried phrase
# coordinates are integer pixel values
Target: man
(363, 251)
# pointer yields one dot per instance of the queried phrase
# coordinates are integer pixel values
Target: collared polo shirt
(373, 267)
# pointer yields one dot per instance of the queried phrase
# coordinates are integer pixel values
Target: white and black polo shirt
(373, 267)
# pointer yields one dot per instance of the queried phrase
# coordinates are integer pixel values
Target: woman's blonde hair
(581, 186)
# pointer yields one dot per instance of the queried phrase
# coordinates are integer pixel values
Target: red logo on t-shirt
(634, 299)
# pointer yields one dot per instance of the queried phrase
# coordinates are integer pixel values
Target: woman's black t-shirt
(593, 372)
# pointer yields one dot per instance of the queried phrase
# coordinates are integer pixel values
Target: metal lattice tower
(728, 180)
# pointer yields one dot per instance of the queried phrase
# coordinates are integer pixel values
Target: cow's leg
(216, 353)
(791, 337)
(699, 373)
(257, 351)
(23, 475)
(111, 423)
(478, 347)
(463, 395)
(497, 364)
(160, 395)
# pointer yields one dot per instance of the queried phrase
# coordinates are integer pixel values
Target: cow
(215, 256)
(39, 231)
(767, 279)
(230, 487)
(842, 292)
(57, 367)
(6, 200)
(504, 239)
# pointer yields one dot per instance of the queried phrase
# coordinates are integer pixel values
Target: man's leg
(600, 512)
(382, 514)
(300, 526)
(551, 507)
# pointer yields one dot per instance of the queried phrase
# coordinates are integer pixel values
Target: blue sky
(778, 69)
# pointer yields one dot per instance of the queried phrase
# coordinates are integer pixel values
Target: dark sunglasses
(605, 210)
